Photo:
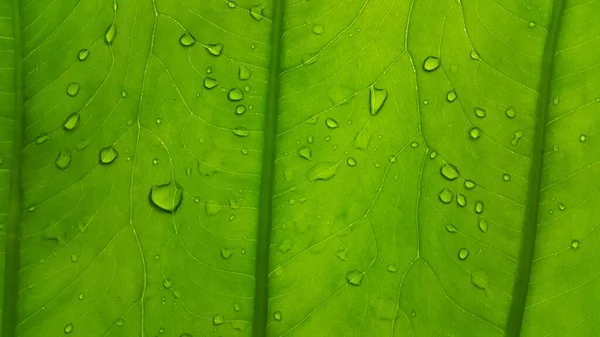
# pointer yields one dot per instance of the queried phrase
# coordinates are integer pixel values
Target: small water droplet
(450, 228)
(235, 94)
(506, 177)
(392, 268)
(449, 171)
(479, 207)
(155, 161)
(110, 33)
(431, 63)
(210, 83)
(556, 100)
(532, 24)
(244, 73)
(167, 197)
(73, 89)
(561, 206)
(331, 123)
(167, 283)
(469, 184)
(413, 313)
(426, 101)
(582, 138)
(226, 253)
(277, 315)
(218, 319)
(474, 55)
(479, 279)
(257, 12)
(187, 39)
(378, 98)
(354, 278)
(108, 155)
(71, 122)
(63, 160)
(241, 132)
(68, 328)
(510, 113)
(433, 154)
(31, 208)
(120, 322)
(318, 29)
(461, 200)
(483, 225)
(310, 139)
(83, 54)
(351, 161)
(245, 151)
(215, 49)
(516, 137)
(124, 93)
(158, 121)
(74, 258)
(451, 96)
(237, 307)
(446, 196)
(575, 244)
(463, 253)
(247, 88)
(479, 112)
(305, 153)
(414, 145)
(42, 139)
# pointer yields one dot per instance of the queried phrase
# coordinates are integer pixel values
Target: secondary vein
(11, 258)
(263, 240)
(521, 287)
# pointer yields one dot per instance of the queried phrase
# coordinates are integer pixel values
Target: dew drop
(474, 55)
(247, 88)
(244, 73)
(392, 268)
(532, 24)
(446, 196)
(235, 95)
(582, 138)
(450, 228)
(517, 137)
(479, 112)
(187, 39)
(167, 283)
(318, 29)
(218, 319)
(237, 307)
(431, 63)
(461, 200)
(479, 279)
(463, 253)
(378, 98)
(433, 154)
(354, 278)
(257, 12)
(556, 100)
(226, 253)
(68, 328)
(479, 207)
(158, 121)
(510, 113)
(214, 49)
(575, 244)
(469, 184)
(277, 315)
(351, 162)
(241, 132)
(120, 322)
(240, 109)
(83, 54)
(451, 96)
(245, 151)
(506, 177)
(63, 160)
(449, 171)
(483, 225)
(414, 145)
(71, 122)
(81, 296)
(561, 206)
(210, 83)
(124, 93)
(110, 33)
(305, 153)
(167, 197)
(331, 123)
(108, 155)
(73, 89)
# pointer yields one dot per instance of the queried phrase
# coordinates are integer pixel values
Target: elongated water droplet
(479, 112)
(71, 122)
(218, 319)
(322, 171)
(124, 94)
(556, 100)
(305, 153)
(215, 49)
(479, 207)
(110, 33)
(210, 83)
(516, 137)
(463, 253)
(83, 54)
(42, 139)
(483, 225)
(479, 279)
(73, 89)
(378, 98)
(449, 171)
(244, 73)
(241, 132)
(461, 200)
(63, 160)
(510, 113)
(354, 278)
(187, 39)
(247, 88)
(167, 197)
(450, 228)
(451, 96)
(446, 196)
(235, 94)
(68, 328)
(431, 63)
(474, 55)
(331, 123)
(108, 155)
(475, 133)
(318, 29)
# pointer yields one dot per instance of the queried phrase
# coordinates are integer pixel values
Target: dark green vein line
(11, 258)
(263, 240)
(517, 310)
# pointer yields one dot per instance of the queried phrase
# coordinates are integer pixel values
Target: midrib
(263, 240)
(11, 257)
(515, 319)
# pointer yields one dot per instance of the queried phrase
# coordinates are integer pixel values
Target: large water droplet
(235, 94)
(431, 63)
(63, 160)
(187, 39)
(167, 197)
(108, 155)
(71, 122)
(83, 54)
(73, 89)
(331, 123)
(449, 171)
(446, 196)
(378, 98)
(451, 96)
(244, 73)
(354, 278)
(463, 253)
(214, 49)
(110, 33)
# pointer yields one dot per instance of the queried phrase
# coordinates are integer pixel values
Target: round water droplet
(124, 93)
(483, 225)
(450, 228)
(463, 253)
(377, 98)
(305, 153)
(475, 133)
(469, 184)
(532, 24)
(158, 121)
(354, 278)
(474, 55)
(240, 109)
(351, 161)
(479, 112)
(215, 49)
(245, 151)
(81, 296)
(510, 113)
(167, 197)
(414, 145)
(244, 73)
(74, 258)
(71, 122)
(425, 101)
(506, 177)
(277, 315)
(582, 138)
(575, 244)
(110, 33)
(235, 94)
(226, 253)
(83, 54)
(187, 39)
(68, 328)
(431, 63)
(241, 132)
(73, 89)
(331, 123)
(210, 83)
(479, 207)
(433, 154)
(451, 96)
(63, 160)
(449, 171)
(218, 319)
(446, 196)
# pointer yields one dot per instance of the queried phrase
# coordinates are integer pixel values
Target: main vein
(517, 310)
(11, 258)
(263, 240)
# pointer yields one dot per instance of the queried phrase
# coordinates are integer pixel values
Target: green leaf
(299, 168)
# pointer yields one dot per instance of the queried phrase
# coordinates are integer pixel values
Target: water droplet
(479, 112)
(109, 36)
(532, 24)
(461, 200)
(469, 184)
(354, 278)
(73, 89)
(378, 98)
(483, 225)
(42, 139)
(31, 208)
(214, 49)
(120, 322)
(83, 54)
(575, 244)
(463, 253)
(479, 207)
(237, 307)
(235, 94)
(479, 279)
(392, 268)
(226, 253)
(158, 121)
(63, 160)
(582, 138)
(449, 171)
(256, 12)
(305, 153)
(187, 39)
(241, 132)
(414, 145)
(451, 96)
(240, 109)
(218, 319)
(247, 88)
(431, 63)
(277, 315)
(516, 137)
(244, 73)
(74, 258)
(188, 172)
(561, 206)
(351, 161)
(124, 94)
(506, 177)
(252, 46)
(331, 123)
(413, 313)
(310, 139)
(155, 161)
(68, 328)
(475, 133)
(450, 228)
(474, 55)
(108, 155)
(446, 196)
(510, 113)
(71, 122)
(167, 197)
(556, 100)
(245, 151)
(433, 154)
(318, 29)
(210, 83)
(392, 159)
(167, 283)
